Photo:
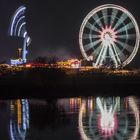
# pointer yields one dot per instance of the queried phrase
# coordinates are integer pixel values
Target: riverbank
(51, 83)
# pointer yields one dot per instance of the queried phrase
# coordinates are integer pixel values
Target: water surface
(91, 118)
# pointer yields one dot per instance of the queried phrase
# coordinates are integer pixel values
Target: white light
(107, 122)
(108, 35)
(24, 35)
(22, 25)
(21, 18)
(19, 10)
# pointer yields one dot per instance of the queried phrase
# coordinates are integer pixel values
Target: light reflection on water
(93, 118)
(109, 118)
(19, 119)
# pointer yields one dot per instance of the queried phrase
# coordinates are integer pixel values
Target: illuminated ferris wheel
(109, 36)
(109, 119)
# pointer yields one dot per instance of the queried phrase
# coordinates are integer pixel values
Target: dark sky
(53, 25)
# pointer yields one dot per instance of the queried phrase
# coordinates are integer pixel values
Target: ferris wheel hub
(108, 36)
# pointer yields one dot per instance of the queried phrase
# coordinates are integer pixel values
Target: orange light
(28, 65)
(19, 112)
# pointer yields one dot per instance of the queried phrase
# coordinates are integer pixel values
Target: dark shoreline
(122, 90)
(58, 83)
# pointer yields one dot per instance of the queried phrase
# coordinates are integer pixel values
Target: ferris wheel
(109, 119)
(109, 35)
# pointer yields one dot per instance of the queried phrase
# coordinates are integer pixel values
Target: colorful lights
(18, 29)
(19, 119)
(110, 119)
(107, 122)
(15, 62)
(106, 37)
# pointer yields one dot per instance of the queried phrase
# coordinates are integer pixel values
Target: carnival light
(110, 119)
(19, 119)
(107, 121)
(18, 29)
(110, 35)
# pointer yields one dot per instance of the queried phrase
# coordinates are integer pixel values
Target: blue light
(21, 28)
(19, 20)
(15, 62)
(18, 29)
(18, 131)
(19, 12)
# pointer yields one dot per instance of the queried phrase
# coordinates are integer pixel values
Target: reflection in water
(101, 118)
(107, 122)
(109, 118)
(70, 105)
(19, 119)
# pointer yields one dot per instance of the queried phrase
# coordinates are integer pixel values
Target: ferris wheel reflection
(109, 118)
(19, 119)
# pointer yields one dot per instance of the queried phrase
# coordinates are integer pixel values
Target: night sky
(53, 26)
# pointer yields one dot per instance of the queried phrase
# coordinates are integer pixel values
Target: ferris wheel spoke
(127, 36)
(125, 46)
(120, 20)
(105, 16)
(97, 20)
(99, 104)
(120, 53)
(91, 128)
(126, 27)
(104, 55)
(116, 53)
(99, 56)
(113, 17)
(112, 54)
(91, 45)
(96, 52)
(86, 36)
(92, 27)
(100, 24)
